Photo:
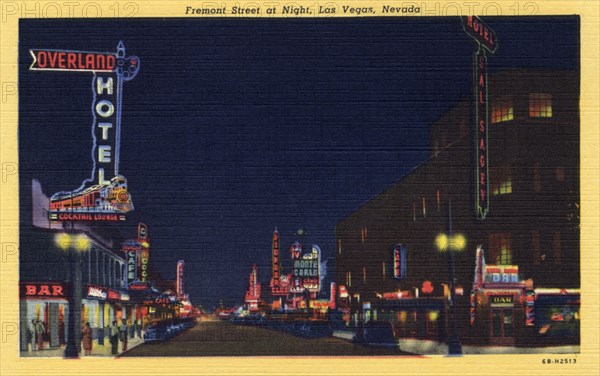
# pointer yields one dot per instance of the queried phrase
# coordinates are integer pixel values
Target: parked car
(164, 330)
(316, 329)
(296, 327)
(157, 332)
(376, 333)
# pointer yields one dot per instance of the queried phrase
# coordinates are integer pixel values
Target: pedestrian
(86, 339)
(124, 334)
(39, 333)
(138, 325)
(114, 338)
(31, 334)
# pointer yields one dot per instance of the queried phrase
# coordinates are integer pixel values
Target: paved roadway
(221, 338)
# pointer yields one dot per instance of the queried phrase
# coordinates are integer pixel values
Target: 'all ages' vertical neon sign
(486, 41)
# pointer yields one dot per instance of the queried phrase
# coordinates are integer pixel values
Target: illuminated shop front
(46, 302)
(556, 315)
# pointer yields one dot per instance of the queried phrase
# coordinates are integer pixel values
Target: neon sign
(144, 258)
(399, 261)
(104, 195)
(180, 268)
(307, 270)
(481, 120)
(501, 274)
(480, 32)
(96, 292)
(486, 41)
(34, 289)
(132, 249)
(145, 262)
(253, 294)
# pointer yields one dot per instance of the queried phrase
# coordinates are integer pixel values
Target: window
(560, 174)
(537, 177)
(540, 105)
(535, 247)
(424, 208)
(340, 246)
(557, 247)
(364, 275)
(363, 234)
(501, 180)
(500, 249)
(383, 270)
(502, 110)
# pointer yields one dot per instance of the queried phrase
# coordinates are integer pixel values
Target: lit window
(383, 269)
(501, 180)
(560, 174)
(557, 247)
(364, 275)
(349, 279)
(540, 105)
(502, 110)
(500, 248)
(340, 246)
(424, 207)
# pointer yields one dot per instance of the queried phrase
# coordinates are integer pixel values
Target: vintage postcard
(304, 187)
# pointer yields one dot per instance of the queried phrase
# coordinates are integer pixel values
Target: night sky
(235, 126)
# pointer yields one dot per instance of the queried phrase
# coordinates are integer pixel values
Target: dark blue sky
(235, 126)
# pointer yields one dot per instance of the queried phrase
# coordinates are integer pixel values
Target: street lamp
(73, 246)
(451, 243)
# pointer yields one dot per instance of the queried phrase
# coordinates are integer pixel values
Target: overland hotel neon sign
(104, 196)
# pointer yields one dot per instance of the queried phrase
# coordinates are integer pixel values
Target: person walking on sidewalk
(31, 334)
(86, 339)
(114, 338)
(138, 325)
(39, 333)
(124, 334)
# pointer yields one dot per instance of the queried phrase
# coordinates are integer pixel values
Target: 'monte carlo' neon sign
(103, 196)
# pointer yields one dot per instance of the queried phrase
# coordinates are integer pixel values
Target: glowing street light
(455, 243)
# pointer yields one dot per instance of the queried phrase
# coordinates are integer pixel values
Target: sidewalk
(427, 347)
(97, 350)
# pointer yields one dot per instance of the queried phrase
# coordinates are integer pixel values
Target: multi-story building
(392, 254)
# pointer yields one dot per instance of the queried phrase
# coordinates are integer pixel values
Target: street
(221, 338)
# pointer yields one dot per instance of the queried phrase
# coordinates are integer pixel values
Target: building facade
(62, 262)
(396, 253)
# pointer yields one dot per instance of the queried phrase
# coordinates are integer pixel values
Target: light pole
(450, 243)
(73, 245)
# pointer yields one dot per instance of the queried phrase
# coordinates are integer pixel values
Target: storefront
(556, 316)
(500, 314)
(45, 302)
(420, 318)
(96, 310)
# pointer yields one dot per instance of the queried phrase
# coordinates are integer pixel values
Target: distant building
(389, 267)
